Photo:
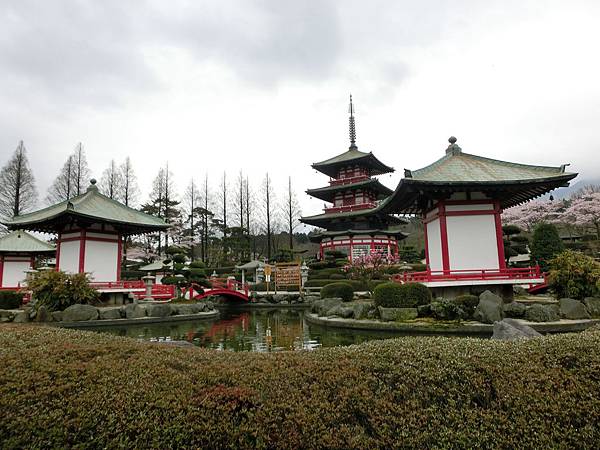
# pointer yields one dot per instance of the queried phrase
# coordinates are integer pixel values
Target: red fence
(512, 273)
(229, 283)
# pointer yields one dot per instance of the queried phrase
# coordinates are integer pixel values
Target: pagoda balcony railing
(349, 180)
(509, 273)
(348, 208)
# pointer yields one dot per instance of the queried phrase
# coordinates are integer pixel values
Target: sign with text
(287, 274)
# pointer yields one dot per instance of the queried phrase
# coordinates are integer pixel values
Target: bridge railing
(229, 283)
(520, 273)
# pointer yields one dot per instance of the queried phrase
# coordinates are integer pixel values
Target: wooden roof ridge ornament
(352, 126)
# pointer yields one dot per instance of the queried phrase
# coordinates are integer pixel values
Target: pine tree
(18, 193)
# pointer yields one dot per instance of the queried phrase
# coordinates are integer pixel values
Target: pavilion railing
(229, 283)
(509, 273)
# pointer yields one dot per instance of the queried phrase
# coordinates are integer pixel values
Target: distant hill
(566, 192)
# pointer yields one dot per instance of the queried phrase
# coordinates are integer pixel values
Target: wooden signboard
(288, 274)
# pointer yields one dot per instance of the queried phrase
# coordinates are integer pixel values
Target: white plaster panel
(483, 207)
(472, 242)
(14, 273)
(101, 260)
(69, 257)
(434, 245)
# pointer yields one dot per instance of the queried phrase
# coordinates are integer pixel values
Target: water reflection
(250, 330)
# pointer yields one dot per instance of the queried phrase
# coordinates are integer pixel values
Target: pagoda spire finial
(352, 125)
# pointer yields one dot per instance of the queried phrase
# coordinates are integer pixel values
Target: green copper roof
(331, 166)
(458, 166)
(19, 241)
(320, 235)
(328, 193)
(324, 219)
(90, 207)
(507, 182)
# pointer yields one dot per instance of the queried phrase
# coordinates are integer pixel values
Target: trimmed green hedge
(467, 303)
(356, 285)
(394, 295)
(341, 290)
(10, 299)
(66, 388)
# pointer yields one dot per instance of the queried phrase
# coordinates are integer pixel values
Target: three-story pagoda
(352, 224)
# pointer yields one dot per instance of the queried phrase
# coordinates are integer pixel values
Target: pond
(258, 330)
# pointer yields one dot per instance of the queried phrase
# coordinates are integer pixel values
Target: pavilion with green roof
(460, 198)
(18, 250)
(353, 224)
(90, 229)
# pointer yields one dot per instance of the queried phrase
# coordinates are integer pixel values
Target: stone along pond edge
(138, 321)
(561, 326)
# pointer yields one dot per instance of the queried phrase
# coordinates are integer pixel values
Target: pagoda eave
(413, 196)
(57, 223)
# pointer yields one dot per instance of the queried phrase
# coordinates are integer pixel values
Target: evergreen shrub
(59, 290)
(337, 276)
(341, 289)
(467, 303)
(395, 295)
(574, 275)
(545, 244)
(389, 295)
(10, 299)
(408, 392)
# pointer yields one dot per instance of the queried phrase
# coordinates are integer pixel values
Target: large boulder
(515, 310)
(158, 310)
(208, 306)
(361, 310)
(489, 309)
(507, 330)
(110, 313)
(572, 309)
(80, 313)
(57, 316)
(135, 311)
(311, 298)
(7, 315)
(542, 313)
(184, 309)
(43, 314)
(327, 304)
(341, 311)
(400, 314)
(21, 317)
(593, 306)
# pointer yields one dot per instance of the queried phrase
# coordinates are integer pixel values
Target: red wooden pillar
(1, 269)
(119, 255)
(57, 265)
(499, 235)
(444, 237)
(82, 251)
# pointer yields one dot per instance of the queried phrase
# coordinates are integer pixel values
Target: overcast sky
(263, 85)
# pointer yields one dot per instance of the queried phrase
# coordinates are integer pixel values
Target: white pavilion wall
(69, 257)
(101, 260)
(14, 272)
(434, 245)
(472, 241)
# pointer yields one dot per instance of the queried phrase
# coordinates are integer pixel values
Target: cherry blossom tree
(585, 211)
(529, 214)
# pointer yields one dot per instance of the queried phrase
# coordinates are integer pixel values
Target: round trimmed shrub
(467, 303)
(389, 295)
(417, 293)
(337, 276)
(341, 290)
(394, 295)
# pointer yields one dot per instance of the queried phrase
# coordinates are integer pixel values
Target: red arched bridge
(229, 288)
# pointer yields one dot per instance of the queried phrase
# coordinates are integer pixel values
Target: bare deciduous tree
(291, 212)
(18, 193)
(111, 181)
